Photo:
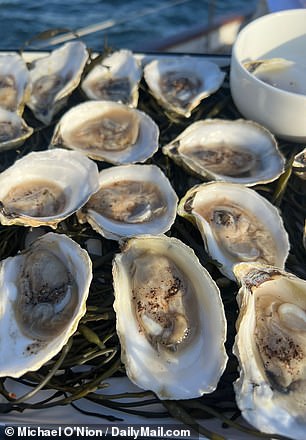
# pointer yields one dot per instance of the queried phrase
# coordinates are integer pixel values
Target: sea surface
(127, 23)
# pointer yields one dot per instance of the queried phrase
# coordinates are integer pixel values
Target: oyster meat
(116, 78)
(170, 318)
(280, 73)
(271, 348)
(13, 130)
(236, 224)
(54, 78)
(15, 87)
(299, 164)
(180, 84)
(132, 200)
(44, 188)
(108, 131)
(43, 296)
(237, 151)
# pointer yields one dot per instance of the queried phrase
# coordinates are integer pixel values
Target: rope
(107, 24)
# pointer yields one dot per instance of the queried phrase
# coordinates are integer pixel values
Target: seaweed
(95, 343)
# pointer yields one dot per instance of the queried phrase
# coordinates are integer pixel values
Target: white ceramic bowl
(277, 35)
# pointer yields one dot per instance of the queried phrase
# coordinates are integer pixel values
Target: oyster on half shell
(237, 224)
(180, 84)
(271, 348)
(43, 296)
(237, 151)
(54, 78)
(45, 187)
(15, 87)
(116, 78)
(108, 131)
(299, 164)
(170, 318)
(131, 200)
(13, 130)
(280, 73)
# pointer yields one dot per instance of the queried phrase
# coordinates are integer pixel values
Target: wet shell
(108, 131)
(237, 151)
(271, 348)
(43, 297)
(180, 84)
(116, 78)
(299, 164)
(15, 87)
(54, 78)
(237, 224)
(44, 188)
(132, 200)
(13, 130)
(170, 318)
(280, 73)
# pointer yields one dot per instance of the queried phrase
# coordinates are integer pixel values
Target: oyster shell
(132, 200)
(181, 83)
(271, 348)
(13, 130)
(54, 78)
(116, 78)
(236, 224)
(43, 296)
(108, 131)
(237, 151)
(44, 188)
(280, 73)
(15, 85)
(164, 302)
(299, 164)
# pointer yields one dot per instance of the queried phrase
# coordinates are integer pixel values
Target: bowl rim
(259, 82)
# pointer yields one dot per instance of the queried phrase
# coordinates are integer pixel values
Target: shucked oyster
(236, 224)
(180, 84)
(279, 72)
(15, 85)
(13, 130)
(299, 164)
(271, 348)
(44, 188)
(170, 318)
(54, 78)
(108, 131)
(132, 200)
(238, 151)
(43, 296)
(116, 78)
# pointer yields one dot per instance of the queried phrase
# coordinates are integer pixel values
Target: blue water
(22, 20)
